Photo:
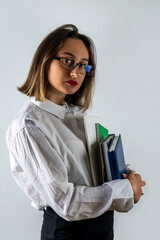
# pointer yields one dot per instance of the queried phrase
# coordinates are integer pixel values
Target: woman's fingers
(137, 183)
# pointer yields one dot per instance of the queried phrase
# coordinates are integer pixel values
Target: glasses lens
(88, 69)
(85, 69)
(66, 63)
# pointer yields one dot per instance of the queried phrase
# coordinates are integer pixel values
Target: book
(116, 158)
(92, 146)
(104, 148)
(101, 134)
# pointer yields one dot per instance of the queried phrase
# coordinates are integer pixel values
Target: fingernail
(124, 175)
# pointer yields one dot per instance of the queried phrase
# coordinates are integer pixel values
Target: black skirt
(56, 228)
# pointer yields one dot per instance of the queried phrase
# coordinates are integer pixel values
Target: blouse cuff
(122, 195)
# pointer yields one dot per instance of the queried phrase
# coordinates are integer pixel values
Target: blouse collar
(55, 109)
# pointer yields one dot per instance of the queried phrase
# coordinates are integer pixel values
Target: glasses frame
(74, 65)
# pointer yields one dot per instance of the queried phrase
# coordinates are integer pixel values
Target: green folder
(101, 133)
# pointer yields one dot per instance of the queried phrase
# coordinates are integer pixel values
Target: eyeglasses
(70, 64)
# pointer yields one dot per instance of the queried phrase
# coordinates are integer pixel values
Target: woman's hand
(137, 184)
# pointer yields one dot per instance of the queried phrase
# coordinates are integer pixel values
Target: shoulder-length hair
(37, 79)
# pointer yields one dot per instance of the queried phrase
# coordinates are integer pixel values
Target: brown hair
(37, 79)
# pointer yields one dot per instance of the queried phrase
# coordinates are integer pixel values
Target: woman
(47, 143)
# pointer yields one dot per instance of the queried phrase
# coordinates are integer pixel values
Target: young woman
(47, 143)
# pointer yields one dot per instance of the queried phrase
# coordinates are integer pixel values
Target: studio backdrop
(127, 96)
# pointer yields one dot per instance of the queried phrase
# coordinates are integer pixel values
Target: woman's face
(63, 81)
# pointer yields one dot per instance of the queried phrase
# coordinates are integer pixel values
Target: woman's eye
(67, 61)
(82, 65)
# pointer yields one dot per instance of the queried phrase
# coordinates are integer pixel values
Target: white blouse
(49, 161)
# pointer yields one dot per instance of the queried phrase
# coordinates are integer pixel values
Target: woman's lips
(72, 82)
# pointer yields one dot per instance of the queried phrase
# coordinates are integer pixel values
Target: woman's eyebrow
(72, 55)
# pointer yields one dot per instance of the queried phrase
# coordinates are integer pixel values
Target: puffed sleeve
(40, 171)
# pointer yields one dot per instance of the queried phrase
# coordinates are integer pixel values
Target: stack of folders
(111, 155)
(108, 162)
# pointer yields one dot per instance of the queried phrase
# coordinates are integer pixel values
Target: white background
(127, 38)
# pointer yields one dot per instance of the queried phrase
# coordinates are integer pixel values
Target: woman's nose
(75, 71)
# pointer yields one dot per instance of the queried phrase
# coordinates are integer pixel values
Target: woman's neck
(57, 98)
